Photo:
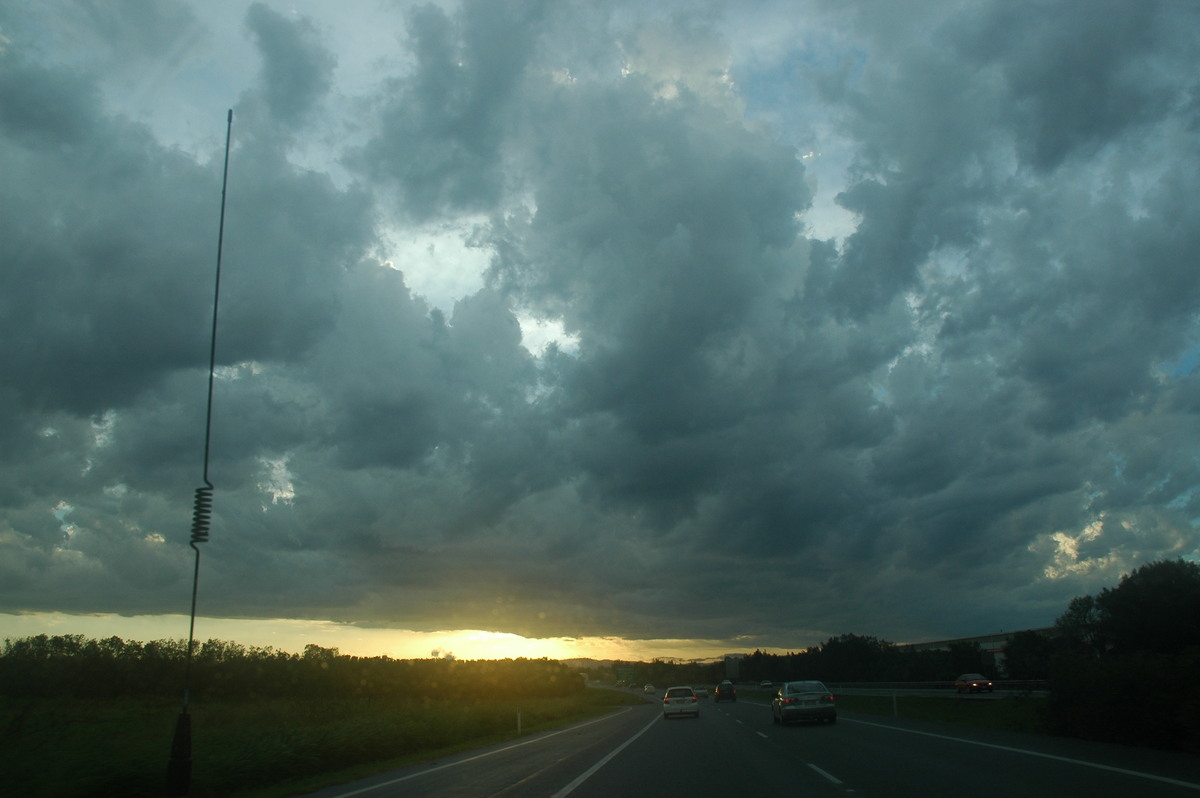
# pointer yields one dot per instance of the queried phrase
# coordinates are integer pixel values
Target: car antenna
(179, 769)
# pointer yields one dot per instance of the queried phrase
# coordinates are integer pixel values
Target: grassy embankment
(68, 748)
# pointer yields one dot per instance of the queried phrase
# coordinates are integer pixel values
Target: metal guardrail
(1018, 687)
(1015, 685)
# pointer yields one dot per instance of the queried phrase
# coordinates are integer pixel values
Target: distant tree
(220, 651)
(924, 665)
(1079, 627)
(1154, 609)
(315, 653)
(761, 665)
(1027, 655)
(965, 658)
(851, 658)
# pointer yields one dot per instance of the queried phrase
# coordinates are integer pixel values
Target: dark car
(973, 683)
(725, 692)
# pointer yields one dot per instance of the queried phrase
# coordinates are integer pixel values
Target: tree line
(71, 665)
(840, 659)
(1121, 665)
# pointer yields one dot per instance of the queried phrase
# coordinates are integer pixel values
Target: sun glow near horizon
(292, 635)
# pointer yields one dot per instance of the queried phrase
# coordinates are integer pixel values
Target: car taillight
(693, 698)
(829, 698)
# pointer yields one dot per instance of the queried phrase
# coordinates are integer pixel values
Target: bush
(1148, 699)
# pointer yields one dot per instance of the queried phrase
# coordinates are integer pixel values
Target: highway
(734, 749)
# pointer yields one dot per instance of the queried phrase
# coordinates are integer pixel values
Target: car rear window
(806, 687)
(679, 692)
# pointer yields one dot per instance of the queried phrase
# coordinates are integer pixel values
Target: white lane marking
(374, 787)
(829, 776)
(1085, 763)
(587, 774)
(823, 773)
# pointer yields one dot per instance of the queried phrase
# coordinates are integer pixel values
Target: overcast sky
(752, 322)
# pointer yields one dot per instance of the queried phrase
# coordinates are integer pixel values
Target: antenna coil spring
(202, 514)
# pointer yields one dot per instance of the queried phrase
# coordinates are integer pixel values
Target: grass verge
(72, 748)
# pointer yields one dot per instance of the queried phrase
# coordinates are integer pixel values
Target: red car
(973, 683)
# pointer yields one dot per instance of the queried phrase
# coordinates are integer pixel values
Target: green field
(68, 748)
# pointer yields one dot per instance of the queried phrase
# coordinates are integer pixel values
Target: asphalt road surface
(734, 750)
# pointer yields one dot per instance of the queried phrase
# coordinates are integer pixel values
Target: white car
(680, 701)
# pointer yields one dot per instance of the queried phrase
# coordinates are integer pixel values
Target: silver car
(807, 700)
(680, 701)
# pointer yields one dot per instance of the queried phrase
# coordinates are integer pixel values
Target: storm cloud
(643, 320)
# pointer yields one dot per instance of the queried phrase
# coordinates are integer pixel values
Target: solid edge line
(1165, 779)
(539, 738)
(587, 774)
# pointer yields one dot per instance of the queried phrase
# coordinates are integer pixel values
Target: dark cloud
(978, 380)
(101, 243)
(44, 107)
(441, 129)
(297, 70)
(1084, 76)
